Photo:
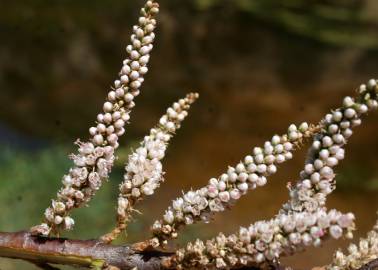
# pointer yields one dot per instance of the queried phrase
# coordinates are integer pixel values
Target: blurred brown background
(258, 65)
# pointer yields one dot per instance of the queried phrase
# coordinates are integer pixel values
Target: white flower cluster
(93, 164)
(144, 171)
(95, 158)
(365, 252)
(303, 221)
(265, 241)
(317, 180)
(221, 193)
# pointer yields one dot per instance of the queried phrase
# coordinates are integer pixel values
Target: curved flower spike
(223, 192)
(317, 180)
(264, 242)
(304, 220)
(144, 169)
(95, 158)
(365, 252)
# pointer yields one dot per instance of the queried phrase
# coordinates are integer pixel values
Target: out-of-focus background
(258, 65)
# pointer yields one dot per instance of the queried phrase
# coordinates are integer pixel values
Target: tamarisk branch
(92, 254)
(83, 253)
(303, 221)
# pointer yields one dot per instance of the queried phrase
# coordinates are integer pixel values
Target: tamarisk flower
(365, 252)
(95, 158)
(264, 242)
(317, 180)
(144, 171)
(303, 221)
(308, 197)
(222, 192)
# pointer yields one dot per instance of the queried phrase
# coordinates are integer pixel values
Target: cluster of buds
(265, 241)
(223, 192)
(317, 180)
(93, 164)
(95, 158)
(303, 220)
(144, 171)
(365, 252)
(120, 101)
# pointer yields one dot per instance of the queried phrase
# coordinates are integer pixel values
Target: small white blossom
(144, 170)
(97, 155)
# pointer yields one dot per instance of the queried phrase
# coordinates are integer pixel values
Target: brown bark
(84, 253)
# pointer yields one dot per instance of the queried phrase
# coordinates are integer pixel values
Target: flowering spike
(303, 221)
(223, 192)
(264, 242)
(317, 180)
(96, 157)
(144, 169)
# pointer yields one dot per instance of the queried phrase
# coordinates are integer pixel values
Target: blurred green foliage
(350, 23)
(26, 182)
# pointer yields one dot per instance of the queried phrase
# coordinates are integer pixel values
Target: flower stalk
(317, 180)
(95, 158)
(144, 170)
(223, 192)
(303, 221)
